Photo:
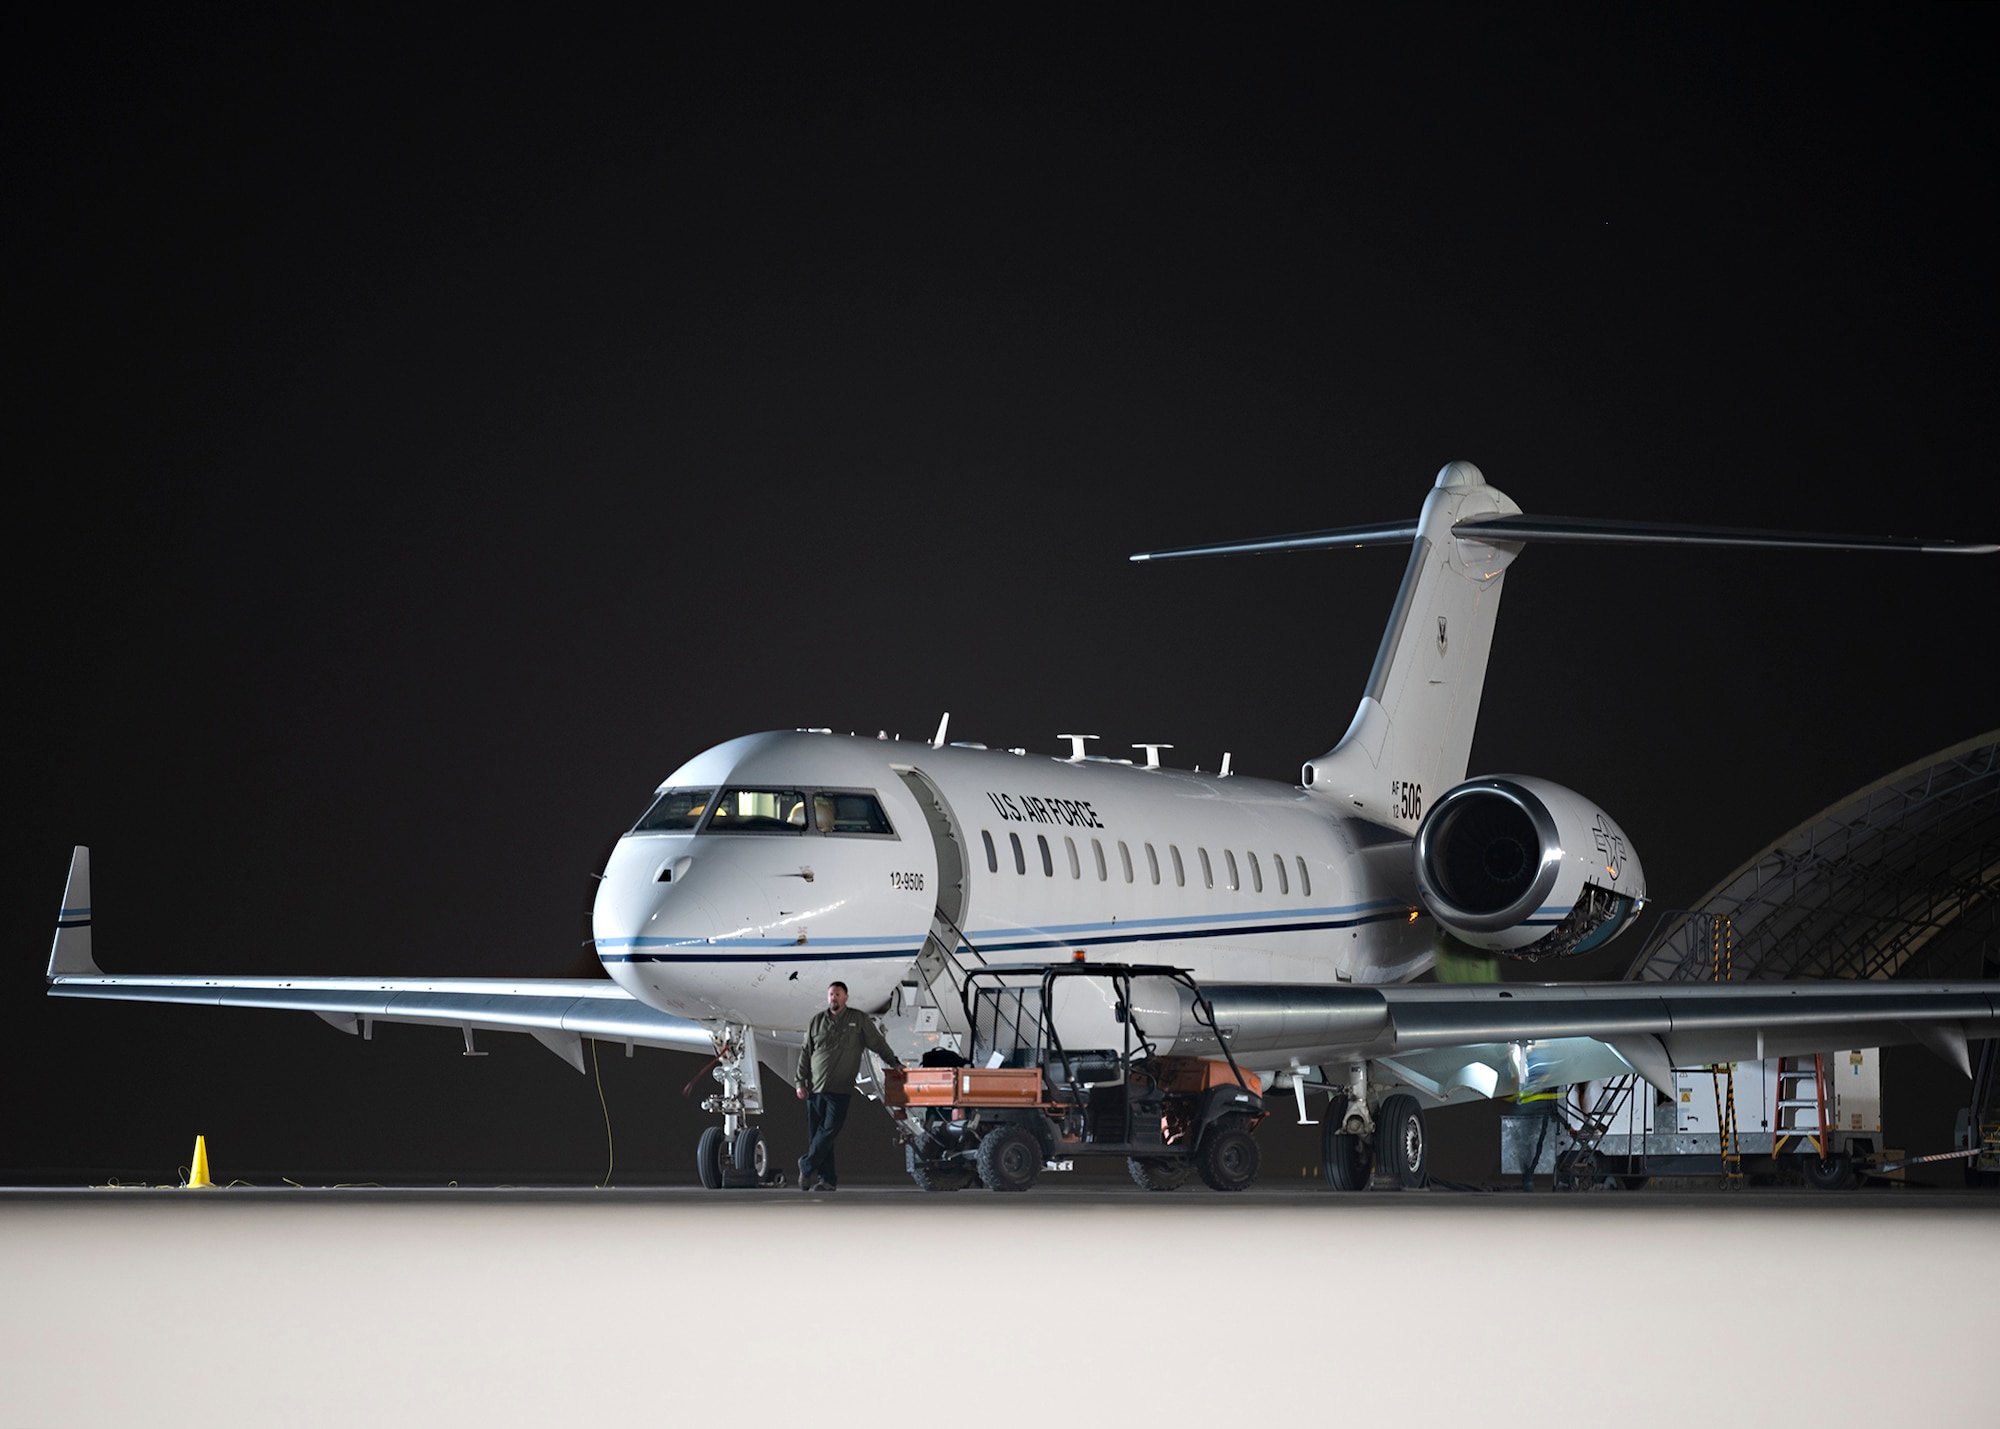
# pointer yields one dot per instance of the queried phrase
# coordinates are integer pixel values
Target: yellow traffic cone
(198, 1173)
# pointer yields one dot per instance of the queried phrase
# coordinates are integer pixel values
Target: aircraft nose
(643, 903)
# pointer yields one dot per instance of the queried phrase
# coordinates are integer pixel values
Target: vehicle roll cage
(1119, 974)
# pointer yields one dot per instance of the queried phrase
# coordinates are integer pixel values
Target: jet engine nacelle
(1527, 868)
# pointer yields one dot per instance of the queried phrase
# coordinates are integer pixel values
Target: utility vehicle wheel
(1227, 1158)
(934, 1175)
(1009, 1159)
(1342, 1158)
(708, 1158)
(1831, 1173)
(1399, 1132)
(1158, 1173)
(746, 1160)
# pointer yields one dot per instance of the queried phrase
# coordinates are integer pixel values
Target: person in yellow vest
(1542, 1106)
(828, 1063)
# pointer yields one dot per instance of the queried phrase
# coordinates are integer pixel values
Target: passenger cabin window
(1180, 873)
(1069, 846)
(1153, 865)
(1305, 879)
(676, 811)
(838, 812)
(1048, 862)
(1278, 863)
(992, 858)
(1207, 869)
(1020, 861)
(1097, 852)
(1229, 863)
(1256, 873)
(759, 811)
(1125, 862)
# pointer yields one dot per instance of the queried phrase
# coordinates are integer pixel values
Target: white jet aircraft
(773, 863)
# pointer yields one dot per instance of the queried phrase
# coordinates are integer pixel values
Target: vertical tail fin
(71, 953)
(1412, 734)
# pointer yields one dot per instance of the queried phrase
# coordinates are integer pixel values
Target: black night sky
(424, 435)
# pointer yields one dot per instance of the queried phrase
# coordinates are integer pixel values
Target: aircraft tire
(746, 1160)
(1227, 1157)
(1399, 1133)
(1830, 1173)
(1158, 1173)
(1343, 1158)
(934, 1175)
(708, 1158)
(1010, 1159)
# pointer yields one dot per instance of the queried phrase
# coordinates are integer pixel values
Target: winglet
(71, 953)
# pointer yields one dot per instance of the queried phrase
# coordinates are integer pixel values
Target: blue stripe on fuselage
(1074, 935)
(858, 955)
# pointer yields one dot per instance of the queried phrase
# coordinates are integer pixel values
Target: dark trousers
(826, 1113)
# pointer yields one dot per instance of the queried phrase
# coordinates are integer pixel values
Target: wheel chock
(198, 1173)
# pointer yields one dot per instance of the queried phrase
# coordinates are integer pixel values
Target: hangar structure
(1898, 880)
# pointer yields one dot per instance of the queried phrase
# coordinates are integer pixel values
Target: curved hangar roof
(1896, 880)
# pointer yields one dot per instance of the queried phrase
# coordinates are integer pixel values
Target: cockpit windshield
(759, 811)
(676, 811)
(767, 811)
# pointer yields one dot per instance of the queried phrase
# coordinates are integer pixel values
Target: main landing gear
(1353, 1139)
(733, 1156)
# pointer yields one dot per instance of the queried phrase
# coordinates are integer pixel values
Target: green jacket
(831, 1055)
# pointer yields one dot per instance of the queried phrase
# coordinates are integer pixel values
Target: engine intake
(1525, 867)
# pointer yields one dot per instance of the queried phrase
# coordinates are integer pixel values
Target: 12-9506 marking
(907, 882)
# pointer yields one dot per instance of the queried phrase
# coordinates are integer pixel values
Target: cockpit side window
(839, 811)
(676, 811)
(759, 811)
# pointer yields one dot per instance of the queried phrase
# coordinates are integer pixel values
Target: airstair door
(928, 1013)
(950, 849)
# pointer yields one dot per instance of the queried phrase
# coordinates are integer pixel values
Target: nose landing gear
(732, 1156)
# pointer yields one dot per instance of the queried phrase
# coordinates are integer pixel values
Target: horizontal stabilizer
(1589, 531)
(1388, 533)
(1581, 531)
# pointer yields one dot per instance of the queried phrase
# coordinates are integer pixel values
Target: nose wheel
(732, 1156)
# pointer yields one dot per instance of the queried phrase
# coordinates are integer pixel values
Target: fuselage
(781, 861)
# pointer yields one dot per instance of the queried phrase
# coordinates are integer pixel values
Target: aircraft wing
(557, 1012)
(1486, 1040)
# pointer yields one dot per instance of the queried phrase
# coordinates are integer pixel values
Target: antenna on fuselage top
(1076, 745)
(938, 743)
(1225, 765)
(1152, 753)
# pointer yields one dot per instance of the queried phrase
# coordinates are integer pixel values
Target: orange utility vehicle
(1025, 1097)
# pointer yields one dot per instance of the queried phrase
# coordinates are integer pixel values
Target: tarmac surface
(526, 1305)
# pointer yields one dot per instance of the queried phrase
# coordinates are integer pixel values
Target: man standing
(828, 1063)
